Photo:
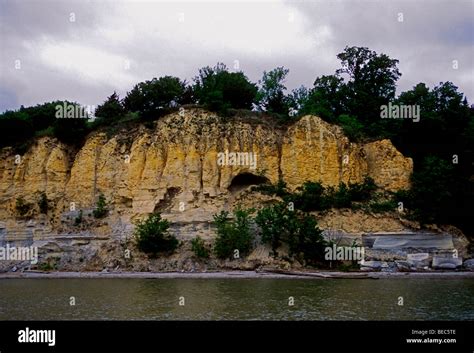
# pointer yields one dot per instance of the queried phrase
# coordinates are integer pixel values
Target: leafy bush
(383, 206)
(363, 191)
(47, 266)
(310, 197)
(233, 234)
(308, 241)
(151, 235)
(276, 223)
(299, 230)
(352, 128)
(101, 207)
(313, 196)
(199, 248)
(340, 197)
(269, 189)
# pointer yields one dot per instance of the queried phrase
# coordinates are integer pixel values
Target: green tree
(308, 241)
(15, 127)
(327, 99)
(271, 94)
(112, 109)
(42, 116)
(70, 130)
(297, 99)
(152, 235)
(433, 190)
(233, 234)
(156, 97)
(219, 90)
(371, 83)
(279, 224)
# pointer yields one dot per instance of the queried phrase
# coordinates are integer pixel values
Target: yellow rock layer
(139, 169)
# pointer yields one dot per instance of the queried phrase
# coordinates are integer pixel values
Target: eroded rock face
(176, 164)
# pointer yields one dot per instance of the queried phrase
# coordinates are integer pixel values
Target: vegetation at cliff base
(234, 236)
(152, 235)
(280, 223)
(276, 224)
(199, 248)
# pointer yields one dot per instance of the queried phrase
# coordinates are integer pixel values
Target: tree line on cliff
(440, 143)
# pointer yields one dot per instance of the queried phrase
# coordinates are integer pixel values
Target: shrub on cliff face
(234, 237)
(101, 207)
(313, 196)
(152, 235)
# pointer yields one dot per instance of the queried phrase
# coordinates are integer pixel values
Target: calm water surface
(236, 299)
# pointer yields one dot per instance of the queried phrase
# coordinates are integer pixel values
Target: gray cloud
(113, 45)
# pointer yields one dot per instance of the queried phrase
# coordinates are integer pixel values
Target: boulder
(418, 260)
(402, 265)
(446, 263)
(469, 264)
(372, 265)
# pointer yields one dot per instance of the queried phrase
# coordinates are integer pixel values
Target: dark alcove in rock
(244, 180)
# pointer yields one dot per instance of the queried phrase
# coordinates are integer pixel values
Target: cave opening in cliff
(244, 180)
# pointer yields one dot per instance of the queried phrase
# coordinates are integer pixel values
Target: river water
(236, 299)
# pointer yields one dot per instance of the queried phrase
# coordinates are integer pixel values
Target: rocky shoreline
(242, 275)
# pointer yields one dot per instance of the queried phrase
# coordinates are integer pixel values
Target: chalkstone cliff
(171, 166)
(136, 170)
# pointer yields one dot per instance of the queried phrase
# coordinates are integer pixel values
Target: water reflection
(236, 299)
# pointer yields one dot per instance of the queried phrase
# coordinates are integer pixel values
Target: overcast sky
(83, 50)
